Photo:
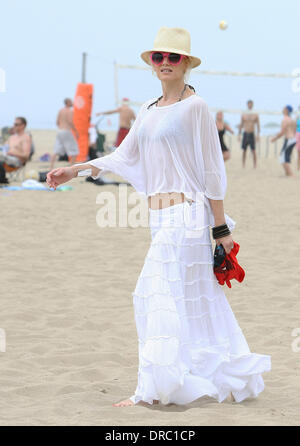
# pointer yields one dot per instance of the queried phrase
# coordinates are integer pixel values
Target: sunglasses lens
(157, 58)
(174, 58)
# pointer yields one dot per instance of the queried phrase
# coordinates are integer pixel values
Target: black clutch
(219, 255)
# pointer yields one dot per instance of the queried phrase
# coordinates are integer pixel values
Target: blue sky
(42, 42)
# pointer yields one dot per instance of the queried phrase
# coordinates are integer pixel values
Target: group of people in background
(20, 142)
(250, 127)
(248, 133)
(67, 144)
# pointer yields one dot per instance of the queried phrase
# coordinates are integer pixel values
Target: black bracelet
(216, 231)
(224, 225)
(220, 231)
(215, 237)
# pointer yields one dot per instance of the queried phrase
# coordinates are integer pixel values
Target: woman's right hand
(60, 176)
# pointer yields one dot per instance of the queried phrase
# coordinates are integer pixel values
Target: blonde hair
(188, 70)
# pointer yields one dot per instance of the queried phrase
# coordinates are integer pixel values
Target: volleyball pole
(116, 78)
(83, 75)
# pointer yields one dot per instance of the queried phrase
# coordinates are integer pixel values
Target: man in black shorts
(249, 121)
(288, 131)
(248, 140)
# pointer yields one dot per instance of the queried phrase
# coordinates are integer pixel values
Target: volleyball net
(290, 77)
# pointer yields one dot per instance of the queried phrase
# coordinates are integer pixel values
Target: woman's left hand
(227, 243)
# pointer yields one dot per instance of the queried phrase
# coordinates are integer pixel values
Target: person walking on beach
(288, 130)
(222, 127)
(190, 343)
(298, 137)
(249, 121)
(65, 142)
(126, 116)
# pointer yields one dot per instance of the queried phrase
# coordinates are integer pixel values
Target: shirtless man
(248, 122)
(288, 130)
(65, 142)
(19, 145)
(127, 115)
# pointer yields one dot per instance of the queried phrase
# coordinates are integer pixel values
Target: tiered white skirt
(190, 343)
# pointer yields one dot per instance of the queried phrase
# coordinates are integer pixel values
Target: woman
(222, 127)
(190, 343)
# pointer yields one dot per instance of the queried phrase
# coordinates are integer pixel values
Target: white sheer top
(174, 148)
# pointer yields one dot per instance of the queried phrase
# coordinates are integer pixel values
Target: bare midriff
(166, 199)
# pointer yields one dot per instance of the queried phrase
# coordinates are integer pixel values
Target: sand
(66, 303)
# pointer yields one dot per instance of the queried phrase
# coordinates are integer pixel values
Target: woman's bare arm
(78, 167)
(217, 207)
(64, 174)
(227, 127)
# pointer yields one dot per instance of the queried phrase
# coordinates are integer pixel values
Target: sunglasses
(17, 124)
(157, 58)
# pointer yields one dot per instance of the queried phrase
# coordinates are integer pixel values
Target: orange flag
(82, 114)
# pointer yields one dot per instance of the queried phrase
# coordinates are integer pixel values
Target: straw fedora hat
(172, 40)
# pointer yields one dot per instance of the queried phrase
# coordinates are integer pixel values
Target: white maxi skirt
(190, 343)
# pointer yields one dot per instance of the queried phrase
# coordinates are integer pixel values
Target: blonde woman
(190, 343)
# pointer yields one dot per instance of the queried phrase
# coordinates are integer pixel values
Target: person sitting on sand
(288, 130)
(19, 145)
(127, 115)
(65, 142)
(19, 151)
(19, 148)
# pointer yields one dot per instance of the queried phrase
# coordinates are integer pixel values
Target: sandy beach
(66, 303)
